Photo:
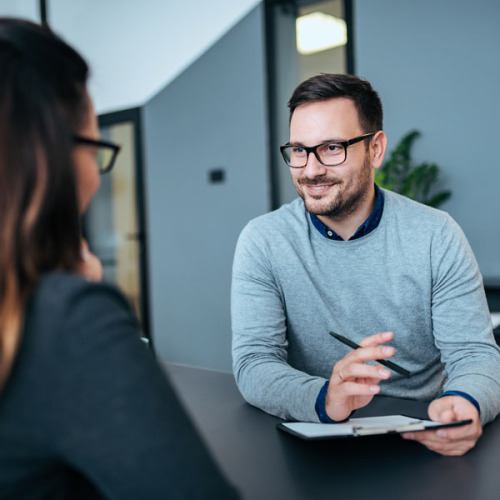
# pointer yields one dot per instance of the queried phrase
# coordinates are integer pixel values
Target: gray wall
(210, 117)
(436, 67)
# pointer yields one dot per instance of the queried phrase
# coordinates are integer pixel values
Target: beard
(344, 199)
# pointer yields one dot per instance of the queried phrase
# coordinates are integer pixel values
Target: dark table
(266, 463)
(492, 289)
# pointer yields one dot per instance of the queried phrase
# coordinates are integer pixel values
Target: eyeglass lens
(329, 154)
(105, 157)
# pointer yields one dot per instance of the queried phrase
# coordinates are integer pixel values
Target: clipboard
(368, 426)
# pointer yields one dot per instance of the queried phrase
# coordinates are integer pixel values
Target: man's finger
(364, 371)
(357, 389)
(377, 339)
(364, 354)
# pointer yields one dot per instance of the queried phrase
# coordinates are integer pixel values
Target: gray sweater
(415, 275)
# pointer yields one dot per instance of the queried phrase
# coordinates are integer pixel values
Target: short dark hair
(332, 86)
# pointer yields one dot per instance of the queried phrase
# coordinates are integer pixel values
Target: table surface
(492, 283)
(266, 463)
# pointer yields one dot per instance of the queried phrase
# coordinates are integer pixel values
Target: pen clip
(362, 431)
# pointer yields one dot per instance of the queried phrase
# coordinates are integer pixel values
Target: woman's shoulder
(66, 308)
(58, 291)
(69, 284)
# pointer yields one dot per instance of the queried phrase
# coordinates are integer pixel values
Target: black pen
(389, 364)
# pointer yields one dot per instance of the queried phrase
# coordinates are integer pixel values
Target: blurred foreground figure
(85, 411)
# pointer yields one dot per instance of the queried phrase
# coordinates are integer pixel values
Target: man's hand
(90, 266)
(453, 440)
(353, 383)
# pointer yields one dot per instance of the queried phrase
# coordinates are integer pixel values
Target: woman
(85, 412)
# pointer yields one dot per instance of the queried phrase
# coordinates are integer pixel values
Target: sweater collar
(367, 227)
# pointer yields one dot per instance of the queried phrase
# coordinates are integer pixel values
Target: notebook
(368, 426)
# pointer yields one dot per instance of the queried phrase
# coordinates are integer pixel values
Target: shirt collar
(367, 227)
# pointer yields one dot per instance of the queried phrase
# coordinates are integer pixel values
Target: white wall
(436, 68)
(20, 8)
(135, 48)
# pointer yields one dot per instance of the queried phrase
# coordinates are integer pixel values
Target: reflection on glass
(319, 31)
(111, 223)
(322, 29)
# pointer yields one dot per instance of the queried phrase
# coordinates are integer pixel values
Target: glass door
(114, 223)
(304, 38)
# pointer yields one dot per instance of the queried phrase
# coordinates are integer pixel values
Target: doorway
(304, 38)
(114, 224)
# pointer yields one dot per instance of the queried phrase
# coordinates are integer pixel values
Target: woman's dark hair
(43, 103)
(331, 86)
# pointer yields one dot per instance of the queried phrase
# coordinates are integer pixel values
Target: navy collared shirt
(367, 227)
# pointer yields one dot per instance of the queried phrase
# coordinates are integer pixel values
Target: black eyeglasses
(106, 154)
(329, 154)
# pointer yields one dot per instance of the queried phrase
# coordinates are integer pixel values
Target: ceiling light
(318, 31)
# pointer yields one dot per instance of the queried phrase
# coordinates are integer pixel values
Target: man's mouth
(317, 189)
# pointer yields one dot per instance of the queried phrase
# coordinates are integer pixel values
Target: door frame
(114, 118)
(271, 65)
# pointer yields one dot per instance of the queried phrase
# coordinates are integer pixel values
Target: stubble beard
(345, 201)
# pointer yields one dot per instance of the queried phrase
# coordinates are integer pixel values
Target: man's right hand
(353, 383)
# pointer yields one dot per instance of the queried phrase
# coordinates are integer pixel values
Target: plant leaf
(414, 181)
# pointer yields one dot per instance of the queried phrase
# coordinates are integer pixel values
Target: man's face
(339, 191)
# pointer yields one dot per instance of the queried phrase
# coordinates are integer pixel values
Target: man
(369, 264)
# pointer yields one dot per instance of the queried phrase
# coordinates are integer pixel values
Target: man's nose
(314, 168)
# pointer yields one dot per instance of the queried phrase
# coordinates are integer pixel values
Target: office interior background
(196, 93)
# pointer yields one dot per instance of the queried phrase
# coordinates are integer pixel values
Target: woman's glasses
(106, 154)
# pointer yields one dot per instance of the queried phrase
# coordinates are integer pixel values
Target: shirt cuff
(468, 397)
(320, 407)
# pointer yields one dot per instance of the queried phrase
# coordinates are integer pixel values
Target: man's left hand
(452, 440)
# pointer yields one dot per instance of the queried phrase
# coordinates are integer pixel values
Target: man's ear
(378, 145)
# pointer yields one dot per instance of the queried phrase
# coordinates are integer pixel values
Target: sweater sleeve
(115, 417)
(461, 322)
(259, 345)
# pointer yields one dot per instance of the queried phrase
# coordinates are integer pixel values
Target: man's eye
(297, 150)
(331, 149)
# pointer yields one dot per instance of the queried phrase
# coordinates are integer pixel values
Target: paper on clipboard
(364, 427)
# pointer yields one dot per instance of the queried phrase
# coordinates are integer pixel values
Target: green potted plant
(414, 181)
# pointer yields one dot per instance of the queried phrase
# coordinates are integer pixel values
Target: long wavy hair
(42, 105)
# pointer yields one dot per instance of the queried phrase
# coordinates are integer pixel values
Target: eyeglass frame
(313, 149)
(100, 144)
